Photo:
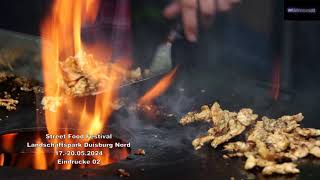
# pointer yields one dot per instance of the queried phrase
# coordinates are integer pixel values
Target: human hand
(188, 9)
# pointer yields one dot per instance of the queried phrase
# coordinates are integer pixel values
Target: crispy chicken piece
(239, 146)
(308, 132)
(258, 132)
(221, 126)
(264, 152)
(234, 129)
(246, 116)
(264, 163)
(205, 114)
(51, 103)
(217, 114)
(278, 141)
(259, 136)
(297, 118)
(136, 74)
(187, 119)
(200, 141)
(299, 147)
(233, 155)
(227, 125)
(298, 152)
(267, 143)
(83, 75)
(285, 168)
(285, 123)
(10, 104)
(253, 161)
(315, 151)
(191, 117)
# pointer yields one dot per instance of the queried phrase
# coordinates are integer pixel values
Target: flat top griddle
(169, 153)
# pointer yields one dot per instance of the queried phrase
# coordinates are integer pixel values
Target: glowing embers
(41, 151)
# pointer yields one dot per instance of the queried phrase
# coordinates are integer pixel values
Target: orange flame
(61, 32)
(8, 141)
(1, 159)
(159, 88)
(40, 161)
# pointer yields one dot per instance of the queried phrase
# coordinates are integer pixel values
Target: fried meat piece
(239, 146)
(246, 116)
(10, 104)
(191, 117)
(82, 75)
(315, 151)
(251, 162)
(200, 141)
(234, 128)
(268, 143)
(254, 160)
(135, 75)
(285, 168)
(233, 155)
(278, 141)
(51, 103)
(308, 132)
(285, 123)
(217, 114)
(226, 124)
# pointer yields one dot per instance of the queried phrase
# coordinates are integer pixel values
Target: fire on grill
(68, 71)
(275, 145)
(80, 94)
(35, 150)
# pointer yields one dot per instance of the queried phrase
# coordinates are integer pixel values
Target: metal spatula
(162, 61)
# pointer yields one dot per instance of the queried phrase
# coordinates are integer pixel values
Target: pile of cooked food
(11, 86)
(274, 145)
(83, 75)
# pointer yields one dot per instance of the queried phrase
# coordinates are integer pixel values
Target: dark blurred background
(23, 15)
